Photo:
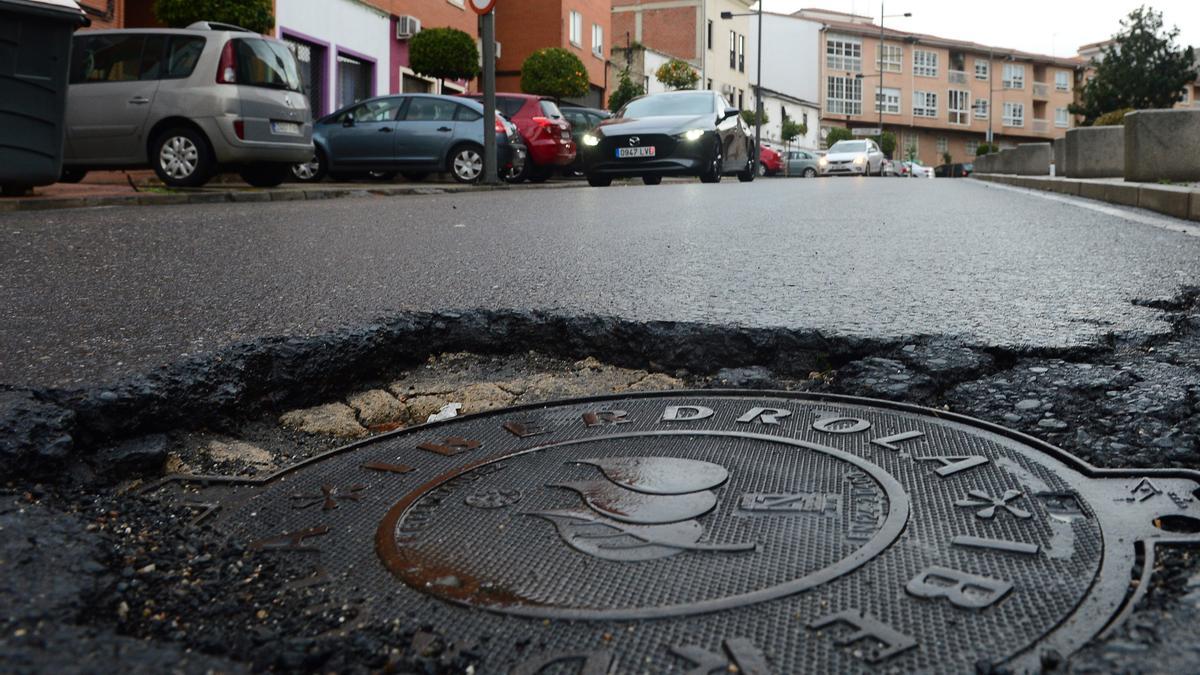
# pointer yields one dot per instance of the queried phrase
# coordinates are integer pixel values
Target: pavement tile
(250, 196)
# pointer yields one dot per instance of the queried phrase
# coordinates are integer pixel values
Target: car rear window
(549, 109)
(183, 54)
(262, 63)
(509, 105)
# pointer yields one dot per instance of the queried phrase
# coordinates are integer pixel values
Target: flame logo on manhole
(646, 508)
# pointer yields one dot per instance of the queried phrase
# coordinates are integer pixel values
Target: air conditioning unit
(479, 45)
(407, 27)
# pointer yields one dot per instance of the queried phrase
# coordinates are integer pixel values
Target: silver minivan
(186, 102)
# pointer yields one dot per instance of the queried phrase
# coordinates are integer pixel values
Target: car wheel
(599, 181)
(312, 171)
(810, 172)
(712, 174)
(762, 170)
(414, 176)
(265, 175)
(181, 158)
(652, 180)
(466, 163)
(747, 174)
(70, 175)
(381, 175)
(514, 176)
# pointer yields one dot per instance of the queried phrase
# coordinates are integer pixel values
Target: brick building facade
(583, 27)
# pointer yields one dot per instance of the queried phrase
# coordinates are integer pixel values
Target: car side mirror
(729, 112)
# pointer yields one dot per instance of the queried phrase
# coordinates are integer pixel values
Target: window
(1184, 95)
(982, 69)
(182, 56)
(732, 49)
(959, 105)
(741, 100)
(943, 145)
(709, 87)
(576, 29)
(508, 105)
(709, 34)
(981, 108)
(925, 63)
(550, 109)
(422, 109)
(888, 99)
(844, 96)
(355, 79)
(312, 61)
(1061, 119)
(266, 63)
(972, 147)
(465, 114)
(597, 39)
(1062, 80)
(890, 59)
(381, 110)
(741, 54)
(1014, 76)
(1014, 114)
(804, 119)
(925, 104)
(106, 58)
(843, 53)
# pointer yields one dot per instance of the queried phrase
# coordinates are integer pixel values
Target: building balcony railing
(957, 77)
(1041, 90)
(1041, 126)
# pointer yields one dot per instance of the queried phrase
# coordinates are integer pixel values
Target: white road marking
(1129, 213)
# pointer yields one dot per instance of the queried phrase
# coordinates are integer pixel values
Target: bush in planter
(677, 74)
(554, 72)
(1114, 118)
(444, 53)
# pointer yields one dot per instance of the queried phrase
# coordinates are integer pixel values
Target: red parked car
(769, 161)
(546, 132)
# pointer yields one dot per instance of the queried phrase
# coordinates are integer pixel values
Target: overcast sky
(1055, 27)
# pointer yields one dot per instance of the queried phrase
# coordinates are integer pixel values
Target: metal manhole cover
(697, 531)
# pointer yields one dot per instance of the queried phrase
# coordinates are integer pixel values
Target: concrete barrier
(1095, 152)
(1032, 159)
(1060, 157)
(1162, 145)
(983, 164)
(1004, 161)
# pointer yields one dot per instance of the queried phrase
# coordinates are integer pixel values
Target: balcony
(1041, 91)
(957, 77)
(1041, 126)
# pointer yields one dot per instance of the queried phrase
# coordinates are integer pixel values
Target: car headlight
(823, 161)
(860, 160)
(693, 134)
(591, 139)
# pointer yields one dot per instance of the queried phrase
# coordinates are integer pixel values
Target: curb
(255, 196)
(1170, 200)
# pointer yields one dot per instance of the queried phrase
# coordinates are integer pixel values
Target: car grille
(663, 144)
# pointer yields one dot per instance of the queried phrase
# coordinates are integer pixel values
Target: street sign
(482, 7)
(865, 132)
(813, 532)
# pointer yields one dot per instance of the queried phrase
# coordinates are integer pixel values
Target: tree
(444, 53)
(910, 153)
(887, 143)
(255, 15)
(748, 116)
(1143, 68)
(554, 72)
(838, 134)
(789, 131)
(625, 92)
(676, 74)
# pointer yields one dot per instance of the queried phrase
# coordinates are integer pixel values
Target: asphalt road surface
(90, 295)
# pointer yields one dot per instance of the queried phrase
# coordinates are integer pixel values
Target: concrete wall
(1033, 159)
(1095, 152)
(790, 63)
(1162, 144)
(1060, 156)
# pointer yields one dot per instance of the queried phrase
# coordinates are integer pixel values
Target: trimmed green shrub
(676, 74)
(444, 53)
(554, 72)
(255, 15)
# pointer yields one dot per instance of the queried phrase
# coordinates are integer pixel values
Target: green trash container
(35, 56)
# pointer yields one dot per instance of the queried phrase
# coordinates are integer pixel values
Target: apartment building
(791, 76)
(1094, 52)
(693, 30)
(583, 27)
(938, 95)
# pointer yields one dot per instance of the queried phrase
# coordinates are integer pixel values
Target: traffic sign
(865, 132)
(482, 7)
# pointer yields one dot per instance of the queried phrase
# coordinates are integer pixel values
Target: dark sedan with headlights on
(680, 133)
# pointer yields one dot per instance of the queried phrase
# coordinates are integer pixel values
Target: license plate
(566, 136)
(624, 153)
(285, 128)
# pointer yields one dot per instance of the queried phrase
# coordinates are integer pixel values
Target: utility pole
(758, 103)
(487, 33)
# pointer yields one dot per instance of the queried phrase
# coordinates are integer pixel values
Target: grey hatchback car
(186, 102)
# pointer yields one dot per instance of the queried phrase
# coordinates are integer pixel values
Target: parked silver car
(802, 163)
(186, 102)
(853, 158)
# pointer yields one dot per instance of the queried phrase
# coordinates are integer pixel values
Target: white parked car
(852, 158)
(916, 170)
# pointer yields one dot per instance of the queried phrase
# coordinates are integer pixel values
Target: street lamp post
(758, 104)
(879, 62)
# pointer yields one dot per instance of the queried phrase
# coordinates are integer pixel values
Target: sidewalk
(1180, 201)
(141, 188)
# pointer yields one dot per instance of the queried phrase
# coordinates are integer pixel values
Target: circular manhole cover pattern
(771, 532)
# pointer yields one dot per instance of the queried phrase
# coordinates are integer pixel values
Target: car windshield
(698, 103)
(849, 146)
